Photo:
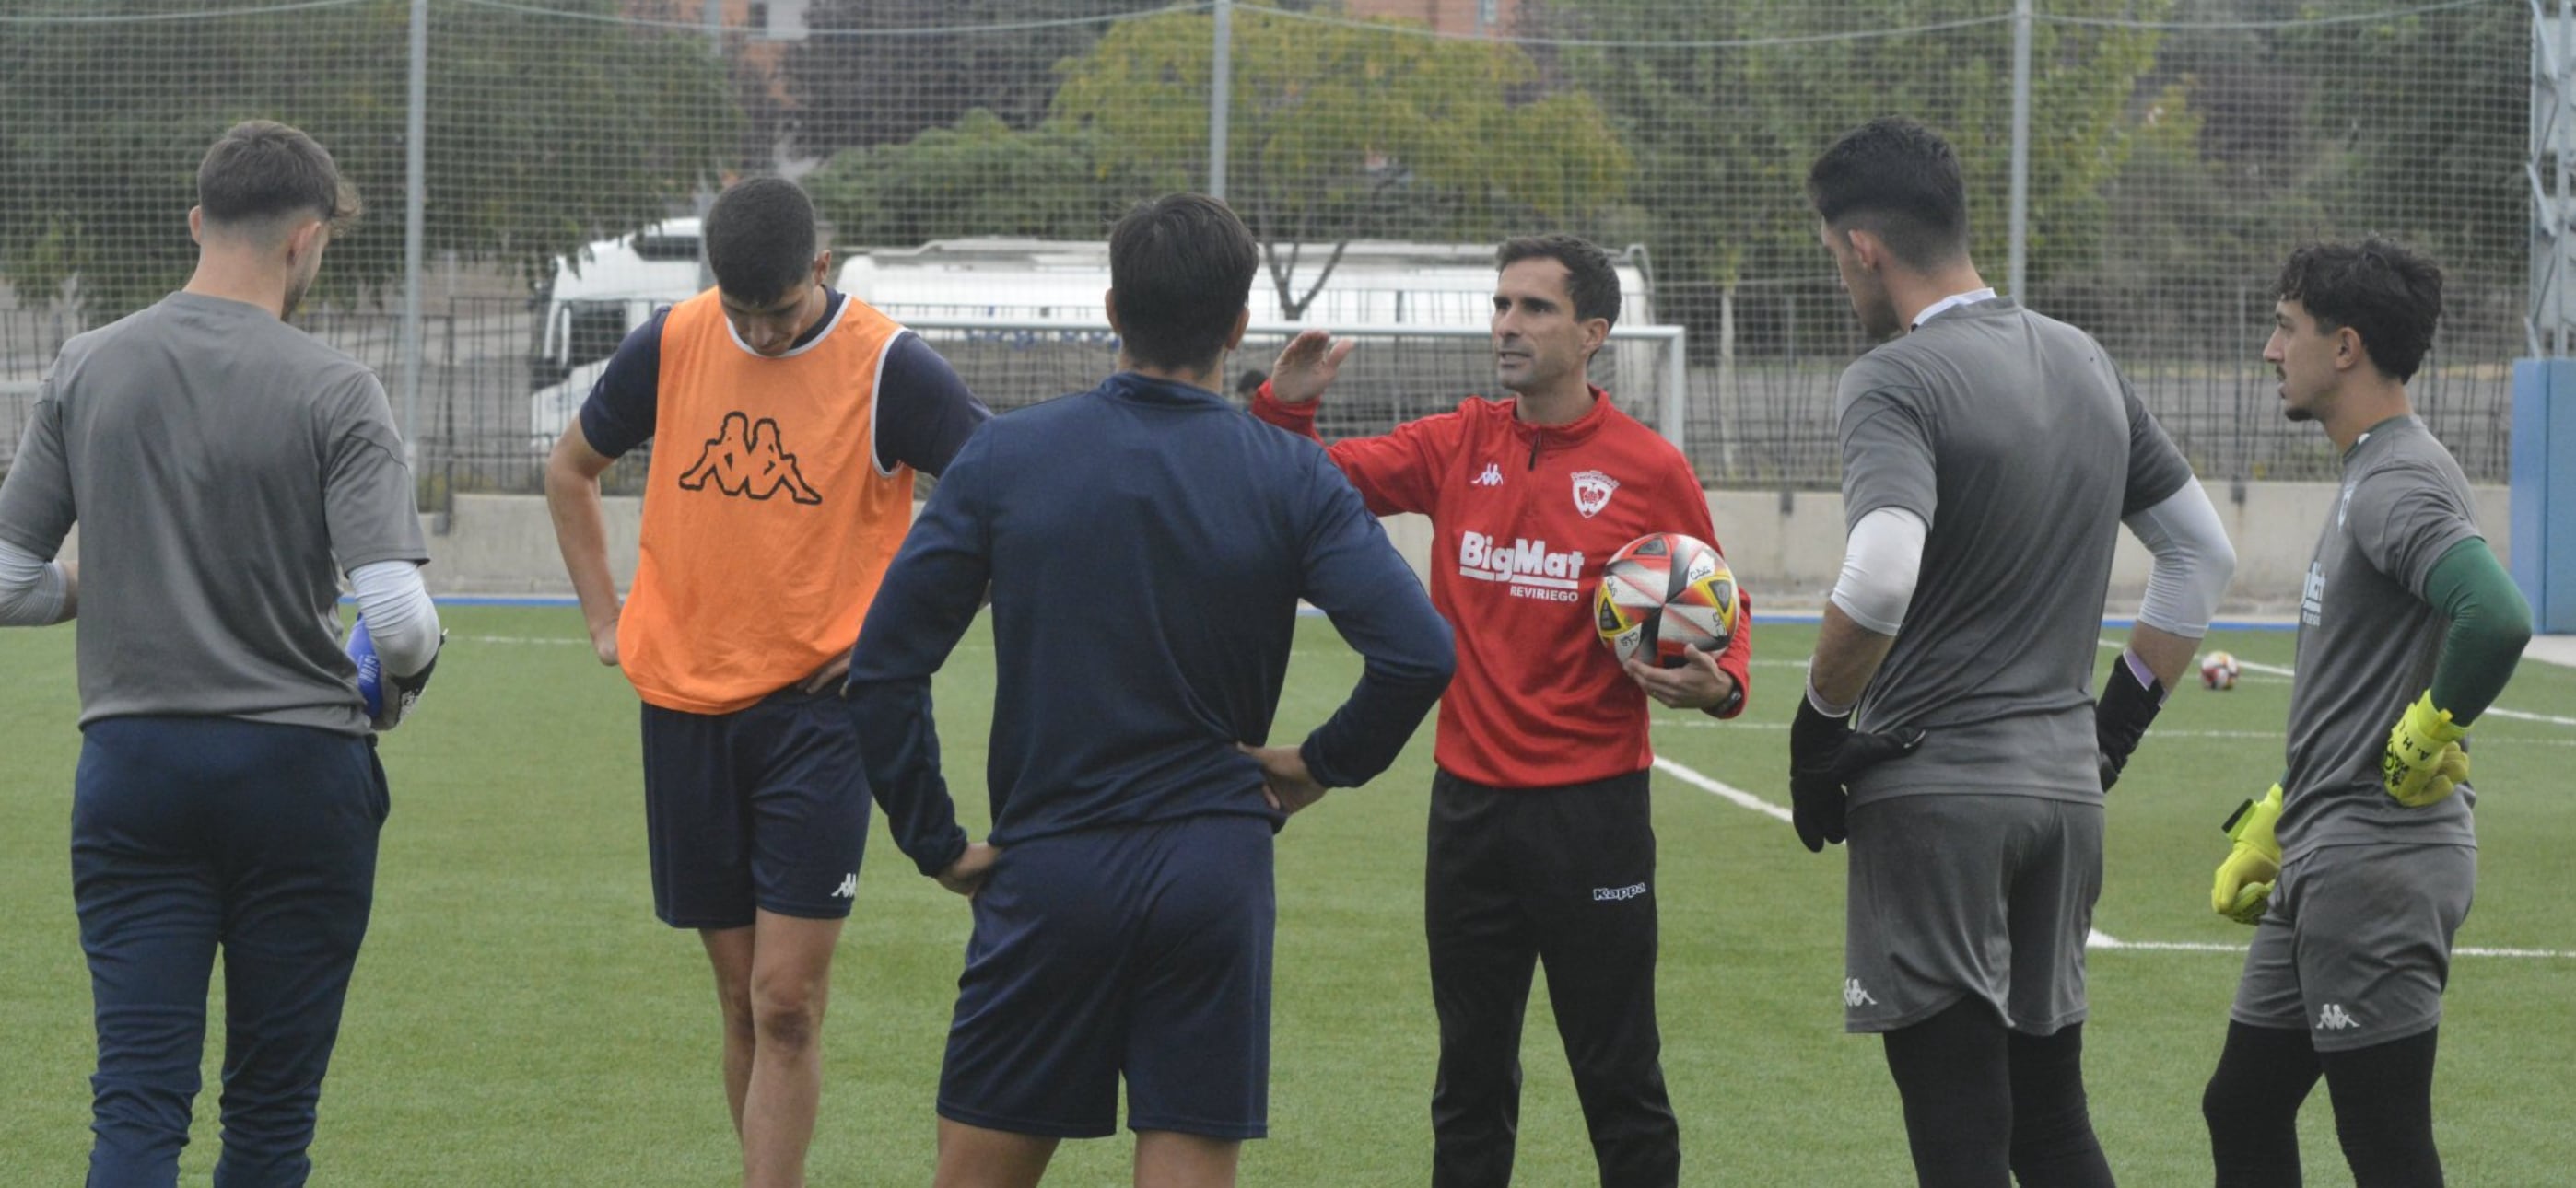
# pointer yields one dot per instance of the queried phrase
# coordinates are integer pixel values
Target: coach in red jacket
(1542, 845)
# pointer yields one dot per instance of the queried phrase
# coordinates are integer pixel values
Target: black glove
(2121, 717)
(1824, 754)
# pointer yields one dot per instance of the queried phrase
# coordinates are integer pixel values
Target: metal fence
(2138, 167)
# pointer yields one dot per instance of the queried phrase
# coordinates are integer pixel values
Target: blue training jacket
(1146, 544)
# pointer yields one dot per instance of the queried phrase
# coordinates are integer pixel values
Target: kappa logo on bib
(1592, 490)
(748, 458)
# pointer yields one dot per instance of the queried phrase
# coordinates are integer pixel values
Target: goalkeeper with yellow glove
(2357, 868)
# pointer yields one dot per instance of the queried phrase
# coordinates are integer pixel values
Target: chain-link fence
(2175, 150)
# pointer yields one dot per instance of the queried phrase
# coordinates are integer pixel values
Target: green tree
(977, 178)
(1340, 131)
(2425, 121)
(1724, 132)
(543, 132)
(857, 83)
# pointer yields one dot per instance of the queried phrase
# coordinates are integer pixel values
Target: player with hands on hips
(1123, 930)
(2357, 868)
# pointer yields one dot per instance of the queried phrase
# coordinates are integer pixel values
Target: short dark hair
(760, 238)
(1180, 273)
(1897, 180)
(1590, 278)
(2388, 293)
(260, 170)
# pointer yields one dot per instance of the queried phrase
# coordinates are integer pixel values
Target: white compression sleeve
(2193, 562)
(1880, 564)
(32, 589)
(400, 616)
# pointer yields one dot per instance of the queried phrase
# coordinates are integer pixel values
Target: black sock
(1954, 1074)
(2252, 1105)
(2053, 1145)
(2383, 1104)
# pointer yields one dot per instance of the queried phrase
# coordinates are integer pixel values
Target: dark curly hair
(2389, 294)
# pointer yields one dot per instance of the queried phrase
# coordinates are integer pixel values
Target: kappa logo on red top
(1592, 490)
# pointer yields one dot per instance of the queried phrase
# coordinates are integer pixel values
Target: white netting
(2177, 149)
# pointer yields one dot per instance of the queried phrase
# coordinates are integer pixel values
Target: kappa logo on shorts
(1615, 894)
(2335, 1018)
(1855, 997)
(749, 459)
(849, 887)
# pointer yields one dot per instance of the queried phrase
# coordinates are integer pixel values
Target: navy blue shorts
(1139, 950)
(765, 807)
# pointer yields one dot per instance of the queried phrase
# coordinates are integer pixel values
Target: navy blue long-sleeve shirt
(1146, 544)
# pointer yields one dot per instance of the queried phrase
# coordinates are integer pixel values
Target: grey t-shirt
(2021, 447)
(218, 461)
(2368, 642)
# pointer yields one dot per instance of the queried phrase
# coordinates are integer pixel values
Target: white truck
(590, 305)
(946, 288)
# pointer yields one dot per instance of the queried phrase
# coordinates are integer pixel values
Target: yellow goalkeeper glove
(2424, 762)
(2244, 882)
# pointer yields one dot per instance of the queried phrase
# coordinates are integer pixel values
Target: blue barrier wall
(2544, 489)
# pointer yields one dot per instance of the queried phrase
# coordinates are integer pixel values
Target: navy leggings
(193, 834)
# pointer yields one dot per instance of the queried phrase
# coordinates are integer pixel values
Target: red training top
(1523, 517)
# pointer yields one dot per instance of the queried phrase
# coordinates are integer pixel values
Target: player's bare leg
(973, 1157)
(791, 978)
(729, 950)
(1169, 1159)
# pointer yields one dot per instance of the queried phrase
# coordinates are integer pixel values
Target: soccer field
(519, 1017)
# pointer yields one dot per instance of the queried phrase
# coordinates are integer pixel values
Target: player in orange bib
(791, 420)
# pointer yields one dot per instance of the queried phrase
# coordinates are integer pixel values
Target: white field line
(2098, 939)
(2269, 671)
(2103, 940)
(1704, 722)
(2492, 711)
(1720, 789)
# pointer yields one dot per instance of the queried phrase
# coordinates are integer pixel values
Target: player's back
(201, 436)
(2012, 435)
(1149, 543)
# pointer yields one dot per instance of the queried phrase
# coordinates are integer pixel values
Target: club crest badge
(1592, 492)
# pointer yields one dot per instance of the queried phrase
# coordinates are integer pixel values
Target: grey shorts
(1965, 895)
(2356, 945)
